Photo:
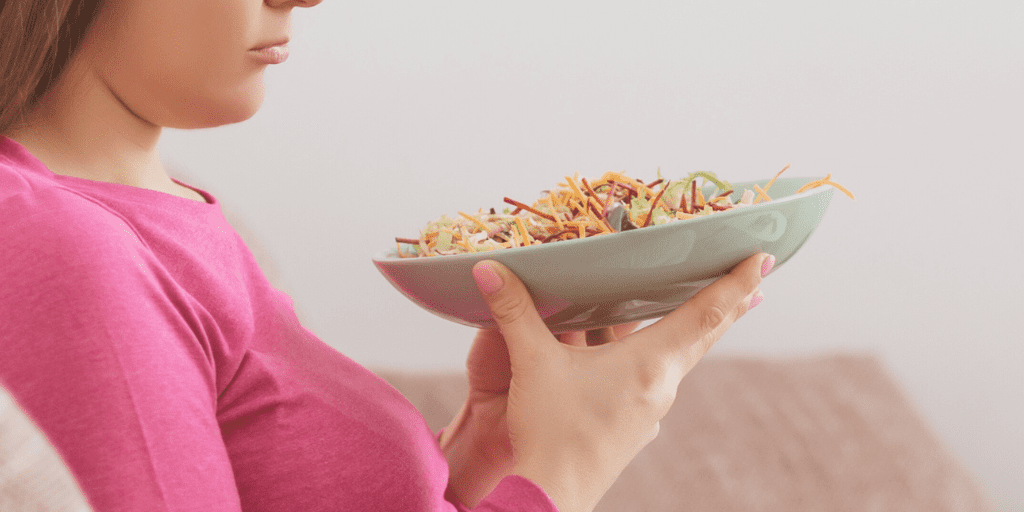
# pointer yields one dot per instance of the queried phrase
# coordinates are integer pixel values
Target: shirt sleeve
(97, 350)
(513, 493)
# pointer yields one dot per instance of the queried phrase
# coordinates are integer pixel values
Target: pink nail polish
(486, 278)
(755, 301)
(767, 265)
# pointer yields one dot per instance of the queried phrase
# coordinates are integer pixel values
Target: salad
(579, 208)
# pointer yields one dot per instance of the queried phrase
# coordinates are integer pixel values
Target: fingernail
(486, 279)
(767, 265)
(755, 301)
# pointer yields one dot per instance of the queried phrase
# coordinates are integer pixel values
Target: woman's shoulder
(58, 215)
(30, 199)
(48, 227)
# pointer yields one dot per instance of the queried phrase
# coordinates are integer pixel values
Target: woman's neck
(81, 128)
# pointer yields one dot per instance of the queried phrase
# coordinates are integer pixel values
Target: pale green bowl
(623, 277)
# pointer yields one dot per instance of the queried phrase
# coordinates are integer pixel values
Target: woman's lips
(271, 54)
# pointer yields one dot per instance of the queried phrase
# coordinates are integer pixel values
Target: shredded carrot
(522, 230)
(465, 240)
(575, 209)
(621, 178)
(826, 181)
(554, 212)
(564, 196)
(575, 189)
(813, 184)
(476, 221)
(574, 205)
(843, 189)
(760, 194)
(769, 185)
(513, 239)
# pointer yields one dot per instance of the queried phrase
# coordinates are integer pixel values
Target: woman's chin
(232, 109)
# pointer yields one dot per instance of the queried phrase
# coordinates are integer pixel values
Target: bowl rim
(384, 256)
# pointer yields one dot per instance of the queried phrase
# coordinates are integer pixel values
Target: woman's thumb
(511, 306)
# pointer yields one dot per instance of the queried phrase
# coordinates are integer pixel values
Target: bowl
(646, 273)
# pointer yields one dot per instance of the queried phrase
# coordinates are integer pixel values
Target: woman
(139, 333)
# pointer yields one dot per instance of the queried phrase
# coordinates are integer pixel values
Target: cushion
(33, 477)
(828, 433)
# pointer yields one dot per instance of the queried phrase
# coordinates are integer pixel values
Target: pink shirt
(138, 332)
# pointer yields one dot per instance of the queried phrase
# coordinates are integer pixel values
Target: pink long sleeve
(139, 333)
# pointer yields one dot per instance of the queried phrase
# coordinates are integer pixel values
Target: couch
(829, 433)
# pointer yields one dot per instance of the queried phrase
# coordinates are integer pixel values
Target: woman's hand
(577, 413)
(476, 443)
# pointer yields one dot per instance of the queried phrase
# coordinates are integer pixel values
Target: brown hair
(39, 37)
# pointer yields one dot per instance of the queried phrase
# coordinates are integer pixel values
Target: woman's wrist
(566, 482)
(475, 444)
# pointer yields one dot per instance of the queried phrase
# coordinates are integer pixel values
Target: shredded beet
(654, 204)
(693, 203)
(611, 197)
(600, 214)
(521, 206)
(588, 213)
(556, 235)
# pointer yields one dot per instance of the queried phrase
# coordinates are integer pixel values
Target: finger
(623, 330)
(607, 334)
(600, 336)
(690, 331)
(574, 338)
(487, 365)
(512, 309)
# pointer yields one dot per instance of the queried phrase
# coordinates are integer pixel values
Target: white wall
(388, 114)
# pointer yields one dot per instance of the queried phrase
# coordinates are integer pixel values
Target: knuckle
(706, 342)
(658, 403)
(742, 308)
(650, 374)
(712, 316)
(654, 431)
(655, 393)
(509, 308)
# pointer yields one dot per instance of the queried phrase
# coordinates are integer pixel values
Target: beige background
(388, 114)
